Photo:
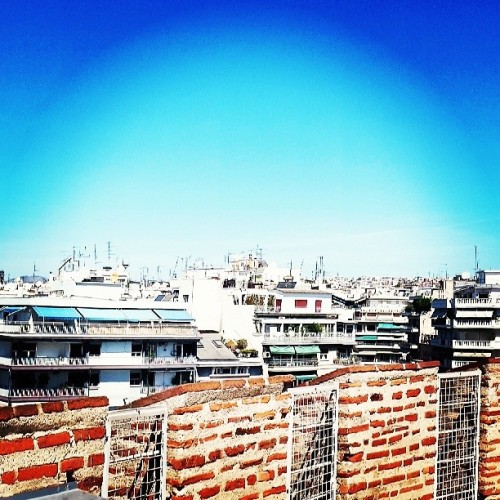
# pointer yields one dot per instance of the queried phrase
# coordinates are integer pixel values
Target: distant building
(467, 321)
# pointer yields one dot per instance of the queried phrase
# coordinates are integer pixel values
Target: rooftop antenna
(476, 263)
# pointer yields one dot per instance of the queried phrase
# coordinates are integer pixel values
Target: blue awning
(57, 313)
(93, 314)
(11, 309)
(174, 315)
(389, 326)
(137, 315)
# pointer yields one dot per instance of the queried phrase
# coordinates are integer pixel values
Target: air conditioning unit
(266, 354)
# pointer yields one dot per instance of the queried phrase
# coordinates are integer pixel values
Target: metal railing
(49, 393)
(293, 362)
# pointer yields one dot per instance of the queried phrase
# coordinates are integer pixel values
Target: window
(185, 298)
(222, 371)
(300, 303)
(243, 370)
(94, 349)
(136, 349)
(278, 305)
(135, 379)
(317, 306)
(94, 379)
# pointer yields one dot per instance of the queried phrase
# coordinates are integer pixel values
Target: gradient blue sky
(365, 132)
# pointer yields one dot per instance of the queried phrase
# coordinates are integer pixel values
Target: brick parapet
(49, 444)
(489, 441)
(387, 430)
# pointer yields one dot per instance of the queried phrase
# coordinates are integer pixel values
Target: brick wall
(226, 439)
(387, 433)
(48, 444)
(489, 444)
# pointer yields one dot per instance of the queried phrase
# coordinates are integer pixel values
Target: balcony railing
(66, 392)
(99, 361)
(463, 303)
(459, 323)
(104, 329)
(464, 344)
(293, 362)
(309, 337)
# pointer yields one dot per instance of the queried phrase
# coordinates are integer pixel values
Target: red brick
(181, 497)
(71, 464)
(214, 455)
(53, 439)
(53, 407)
(379, 442)
(6, 413)
(393, 479)
(428, 441)
(430, 414)
(25, 410)
(264, 476)
(251, 479)
(252, 496)
(397, 395)
(353, 400)
(398, 451)
(387, 466)
(251, 463)
(236, 384)
(96, 459)
(188, 409)
(414, 447)
(412, 417)
(209, 492)
(235, 484)
(9, 477)
(430, 389)
(232, 451)
(412, 393)
(357, 457)
(9, 446)
(376, 383)
(89, 433)
(187, 462)
(413, 475)
(274, 491)
(353, 430)
(377, 454)
(416, 378)
(196, 478)
(354, 488)
(257, 381)
(378, 423)
(180, 427)
(267, 444)
(276, 456)
(396, 438)
(96, 402)
(37, 472)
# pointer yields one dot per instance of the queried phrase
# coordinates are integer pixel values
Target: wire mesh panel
(135, 455)
(312, 443)
(458, 436)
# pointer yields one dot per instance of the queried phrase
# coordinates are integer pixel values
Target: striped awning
(57, 313)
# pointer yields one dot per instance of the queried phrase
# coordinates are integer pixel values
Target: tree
(242, 344)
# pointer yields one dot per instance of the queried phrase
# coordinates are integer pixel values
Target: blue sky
(364, 132)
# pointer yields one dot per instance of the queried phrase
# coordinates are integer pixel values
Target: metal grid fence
(458, 436)
(312, 443)
(135, 455)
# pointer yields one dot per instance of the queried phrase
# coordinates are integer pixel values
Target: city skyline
(368, 135)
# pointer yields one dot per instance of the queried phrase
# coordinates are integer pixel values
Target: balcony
(475, 324)
(475, 303)
(464, 344)
(125, 330)
(293, 362)
(96, 361)
(308, 338)
(28, 394)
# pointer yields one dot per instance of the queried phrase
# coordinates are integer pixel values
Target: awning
(11, 310)
(174, 315)
(137, 315)
(367, 337)
(464, 313)
(304, 350)
(57, 313)
(439, 313)
(91, 314)
(282, 349)
(303, 378)
(389, 326)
